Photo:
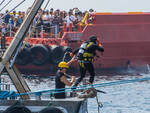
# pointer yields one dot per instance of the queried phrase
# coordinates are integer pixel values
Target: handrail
(118, 13)
(40, 31)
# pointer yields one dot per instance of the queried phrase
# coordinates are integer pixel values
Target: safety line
(2, 2)
(53, 91)
(12, 9)
(5, 5)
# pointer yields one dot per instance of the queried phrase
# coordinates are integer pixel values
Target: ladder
(10, 52)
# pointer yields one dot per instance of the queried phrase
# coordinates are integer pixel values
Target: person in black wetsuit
(85, 55)
(61, 80)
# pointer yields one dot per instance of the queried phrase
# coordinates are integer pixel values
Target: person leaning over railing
(46, 21)
(70, 19)
(53, 21)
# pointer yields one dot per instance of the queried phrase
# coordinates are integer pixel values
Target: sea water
(125, 98)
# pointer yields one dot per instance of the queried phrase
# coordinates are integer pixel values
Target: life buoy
(53, 110)
(23, 57)
(39, 54)
(57, 54)
(17, 109)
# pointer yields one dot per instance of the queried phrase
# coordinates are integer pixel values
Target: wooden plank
(1, 67)
(18, 81)
(20, 77)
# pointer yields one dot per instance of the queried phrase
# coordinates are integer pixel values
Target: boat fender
(49, 53)
(17, 109)
(57, 54)
(39, 54)
(23, 57)
(53, 110)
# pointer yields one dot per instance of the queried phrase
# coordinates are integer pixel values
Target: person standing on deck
(85, 56)
(61, 79)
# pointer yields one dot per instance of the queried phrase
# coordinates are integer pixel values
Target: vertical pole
(42, 31)
(65, 27)
(3, 42)
(79, 27)
(70, 27)
(55, 31)
(10, 30)
(51, 32)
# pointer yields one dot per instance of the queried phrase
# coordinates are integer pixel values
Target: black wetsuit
(87, 65)
(59, 85)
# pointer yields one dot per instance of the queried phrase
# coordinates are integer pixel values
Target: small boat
(44, 104)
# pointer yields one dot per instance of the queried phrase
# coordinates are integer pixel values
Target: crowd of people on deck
(50, 21)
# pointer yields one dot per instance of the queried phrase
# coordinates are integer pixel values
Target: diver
(61, 79)
(85, 55)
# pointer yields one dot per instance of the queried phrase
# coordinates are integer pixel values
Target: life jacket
(83, 54)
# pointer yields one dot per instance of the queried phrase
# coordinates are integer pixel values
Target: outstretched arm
(100, 48)
(72, 60)
(68, 83)
(75, 51)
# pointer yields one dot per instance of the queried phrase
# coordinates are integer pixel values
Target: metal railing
(42, 31)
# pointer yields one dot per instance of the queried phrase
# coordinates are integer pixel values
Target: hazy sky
(98, 5)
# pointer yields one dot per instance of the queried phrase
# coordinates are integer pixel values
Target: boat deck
(71, 105)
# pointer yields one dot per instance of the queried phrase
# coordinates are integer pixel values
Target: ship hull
(124, 36)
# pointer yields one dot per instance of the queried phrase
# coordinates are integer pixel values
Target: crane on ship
(7, 60)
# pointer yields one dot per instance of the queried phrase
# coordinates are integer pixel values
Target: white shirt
(45, 18)
(70, 19)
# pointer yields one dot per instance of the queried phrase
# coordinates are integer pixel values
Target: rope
(100, 105)
(121, 82)
(2, 2)
(12, 9)
(5, 5)
(84, 87)
(53, 91)
(47, 4)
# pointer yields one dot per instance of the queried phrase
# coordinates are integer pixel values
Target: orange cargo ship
(125, 37)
